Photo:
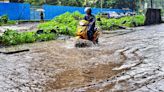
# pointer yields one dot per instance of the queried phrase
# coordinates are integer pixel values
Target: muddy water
(20, 27)
(56, 65)
(127, 62)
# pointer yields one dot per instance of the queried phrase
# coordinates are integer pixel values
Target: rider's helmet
(88, 10)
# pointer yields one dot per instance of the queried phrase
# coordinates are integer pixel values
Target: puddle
(81, 77)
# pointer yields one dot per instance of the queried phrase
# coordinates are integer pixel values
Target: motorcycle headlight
(81, 23)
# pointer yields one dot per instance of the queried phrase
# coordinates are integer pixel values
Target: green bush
(45, 37)
(63, 24)
(12, 37)
(67, 23)
(131, 21)
(162, 12)
(4, 19)
(11, 22)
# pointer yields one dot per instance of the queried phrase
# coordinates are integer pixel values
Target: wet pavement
(122, 62)
(20, 27)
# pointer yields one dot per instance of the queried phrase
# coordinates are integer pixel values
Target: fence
(52, 11)
(34, 14)
(15, 11)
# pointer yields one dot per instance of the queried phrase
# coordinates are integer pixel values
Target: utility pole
(86, 3)
(101, 5)
(45, 1)
(151, 1)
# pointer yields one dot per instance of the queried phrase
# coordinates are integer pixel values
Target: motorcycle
(82, 30)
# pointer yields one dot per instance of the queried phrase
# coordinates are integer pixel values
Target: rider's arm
(85, 18)
(93, 20)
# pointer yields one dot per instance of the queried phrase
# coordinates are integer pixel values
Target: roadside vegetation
(127, 21)
(65, 24)
(12, 37)
(162, 12)
(4, 20)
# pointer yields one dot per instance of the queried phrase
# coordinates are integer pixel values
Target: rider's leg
(90, 33)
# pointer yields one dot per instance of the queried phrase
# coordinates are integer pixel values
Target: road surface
(129, 62)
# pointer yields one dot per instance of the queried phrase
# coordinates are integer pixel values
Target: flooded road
(128, 62)
(20, 27)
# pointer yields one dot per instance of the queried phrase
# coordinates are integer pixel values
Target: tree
(20, 1)
(35, 2)
(91, 3)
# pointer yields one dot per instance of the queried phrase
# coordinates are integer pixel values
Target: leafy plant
(64, 24)
(128, 21)
(46, 37)
(162, 12)
(12, 37)
(11, 22)
(4, 19)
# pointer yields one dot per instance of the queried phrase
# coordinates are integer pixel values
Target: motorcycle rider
(92, 20)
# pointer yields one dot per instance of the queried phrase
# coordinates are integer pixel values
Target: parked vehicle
(113, 14)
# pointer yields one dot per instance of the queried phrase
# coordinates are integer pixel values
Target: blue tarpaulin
(15, 11)
(53, 11)
(19, 11)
